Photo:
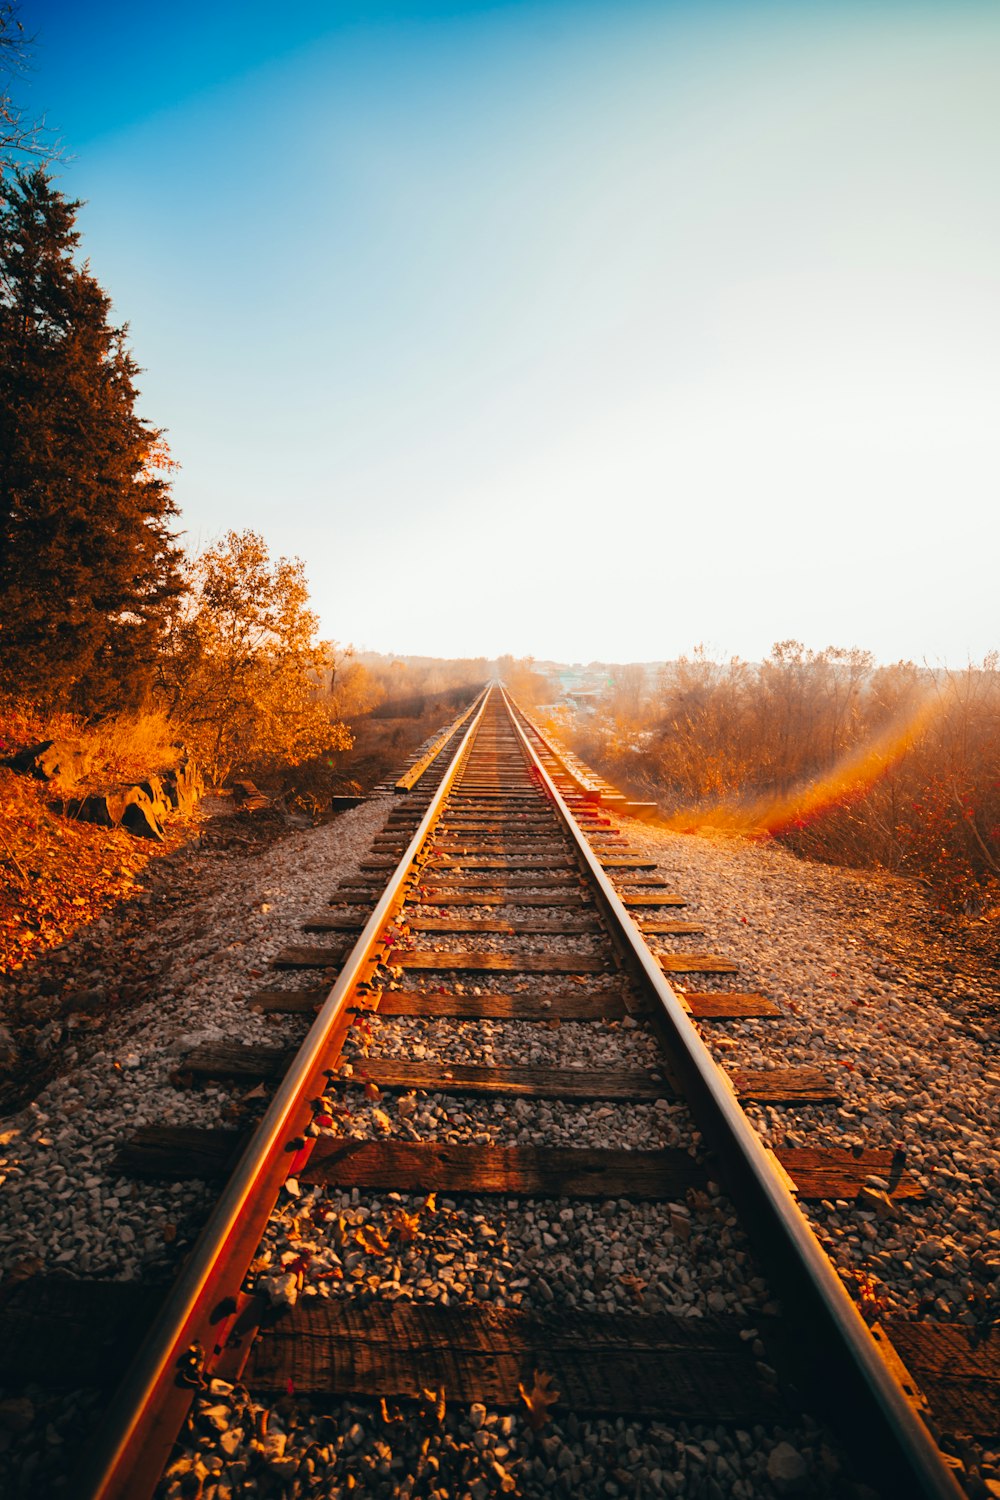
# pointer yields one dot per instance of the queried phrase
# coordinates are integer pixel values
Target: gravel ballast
(913, 1051)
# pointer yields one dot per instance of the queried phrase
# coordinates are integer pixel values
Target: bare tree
(20, 135)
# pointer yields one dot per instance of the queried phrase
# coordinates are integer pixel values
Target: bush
(889, 767)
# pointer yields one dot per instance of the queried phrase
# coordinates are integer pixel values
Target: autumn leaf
(405, 1226)
(372, 1240)
(436, 1402)
(539, 1399)
(372, 1091)
(634, 1286)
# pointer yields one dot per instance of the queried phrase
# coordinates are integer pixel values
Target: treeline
(102, 614)
(408, 684)
(896, 767)
(104, 619)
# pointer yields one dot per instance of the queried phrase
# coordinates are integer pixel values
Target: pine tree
(87, 561)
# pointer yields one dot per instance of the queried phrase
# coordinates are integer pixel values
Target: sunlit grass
(848, 780)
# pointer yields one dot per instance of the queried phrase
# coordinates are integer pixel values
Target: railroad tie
(827, 1174)
(70, 1332)
(629, 1365)
(505, 963)
(566, 1005)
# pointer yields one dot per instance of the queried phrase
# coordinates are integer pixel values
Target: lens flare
(849, 779)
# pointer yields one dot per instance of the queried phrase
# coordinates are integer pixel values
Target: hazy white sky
(580, 330)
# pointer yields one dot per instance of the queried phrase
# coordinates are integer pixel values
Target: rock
(103, 808)
(184, 787)
(786, 1469)
(879, 1202)
(17, 1414)
(154, 789)
(52, 760)
(274, 1445)
(8, 1048)
(139, 816)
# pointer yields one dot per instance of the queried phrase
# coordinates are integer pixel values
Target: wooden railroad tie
(301, 956)
(566, 1005)
(491, 826)
(524, 925)
(634, 1365)
(460, 848)
(449, 896)
(521, 862)
(63, 1333)
(506, 963)
(390, 1164)
(770, 1085)
(695, 963)
(542, 879)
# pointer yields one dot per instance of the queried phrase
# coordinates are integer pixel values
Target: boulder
(103, 808)
(141, 809)
(52, 760)
(8, 1049)
(140, 815)
(184, 787)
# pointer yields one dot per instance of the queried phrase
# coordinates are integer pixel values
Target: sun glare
(849, 779)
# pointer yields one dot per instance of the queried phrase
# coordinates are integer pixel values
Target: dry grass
(893, 768)
(131, 746)
(122, 747)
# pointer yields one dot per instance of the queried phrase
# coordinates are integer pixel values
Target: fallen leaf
(539, 1399)
(372, 1240)
(405, 1226)
(634, 1286)
(435, 1399)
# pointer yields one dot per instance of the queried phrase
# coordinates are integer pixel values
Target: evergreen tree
(87, 562)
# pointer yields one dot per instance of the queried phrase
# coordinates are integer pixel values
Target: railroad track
(500, 1075)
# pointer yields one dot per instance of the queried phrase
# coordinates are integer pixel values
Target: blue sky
(579, 330)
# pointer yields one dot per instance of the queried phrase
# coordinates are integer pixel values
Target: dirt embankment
(79, 910)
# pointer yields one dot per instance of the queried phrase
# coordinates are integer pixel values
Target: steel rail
(877, 1421)
(142, 1423)
(420, 767)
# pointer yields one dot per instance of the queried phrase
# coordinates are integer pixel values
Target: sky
(578, 330)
